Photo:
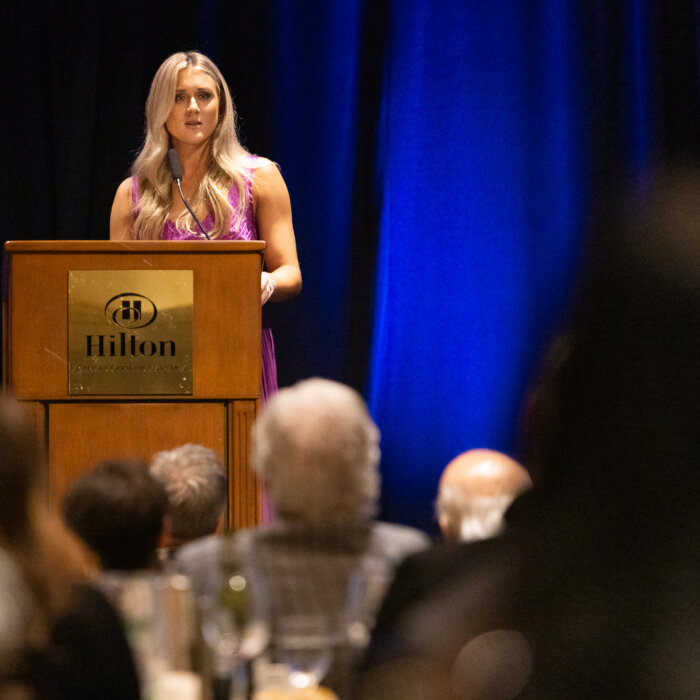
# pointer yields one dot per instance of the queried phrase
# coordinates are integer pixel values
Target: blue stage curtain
(484, 191)
(495, 127)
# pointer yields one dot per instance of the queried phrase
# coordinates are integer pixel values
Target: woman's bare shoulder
(125, 188)
(120, 223)
(260, 164)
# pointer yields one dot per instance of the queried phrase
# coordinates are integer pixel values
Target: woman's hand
(273, 218)
(267, 286)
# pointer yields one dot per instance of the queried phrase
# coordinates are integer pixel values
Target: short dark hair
(117, 509)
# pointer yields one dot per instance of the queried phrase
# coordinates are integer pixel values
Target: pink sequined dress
(246, 231)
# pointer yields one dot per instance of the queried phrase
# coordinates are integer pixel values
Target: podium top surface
(134, 246)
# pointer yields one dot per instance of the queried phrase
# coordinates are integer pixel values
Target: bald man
(475, 490)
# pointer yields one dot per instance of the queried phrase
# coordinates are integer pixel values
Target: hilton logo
(130, 311)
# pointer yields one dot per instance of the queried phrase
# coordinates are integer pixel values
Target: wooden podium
(79, 429)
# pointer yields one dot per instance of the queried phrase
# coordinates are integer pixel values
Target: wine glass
(305, 643)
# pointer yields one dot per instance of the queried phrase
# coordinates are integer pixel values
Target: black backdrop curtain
(75, 79)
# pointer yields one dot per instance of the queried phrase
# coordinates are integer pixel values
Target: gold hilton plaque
(130, 331)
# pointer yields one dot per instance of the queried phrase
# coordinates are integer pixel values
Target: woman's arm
(273, 218)
(121, 223)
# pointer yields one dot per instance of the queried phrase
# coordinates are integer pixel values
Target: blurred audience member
(317, 451)
(15, 614)
(475, 490)
(59, 637)
(194, 479)
(592, 590)
(117, 508)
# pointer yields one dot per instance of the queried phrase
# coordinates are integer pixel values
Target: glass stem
(240, 687)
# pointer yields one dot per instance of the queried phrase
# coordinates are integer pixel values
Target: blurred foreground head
(476, 488)
(593, 590)
(616, 416)
(117, 509)
(317, 450)
(40, 561)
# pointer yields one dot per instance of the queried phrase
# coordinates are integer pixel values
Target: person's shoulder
(127, 194)
(265, 173)
(242, 540)
(197, 556)
(398, 541)
(402, 532)
(201, 549)
(195, 559)
(91, 655)
(199, 561)
(126, 187)
(258, 163)
(124, 207)
(89, 596)
(438, 560)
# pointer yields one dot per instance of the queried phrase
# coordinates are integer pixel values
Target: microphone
(175, 167)
(176, 170)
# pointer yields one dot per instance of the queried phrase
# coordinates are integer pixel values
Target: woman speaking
(230, 194)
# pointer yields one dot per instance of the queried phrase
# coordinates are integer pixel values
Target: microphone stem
(189, 208)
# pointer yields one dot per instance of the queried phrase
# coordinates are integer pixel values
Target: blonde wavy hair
(227, 156)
